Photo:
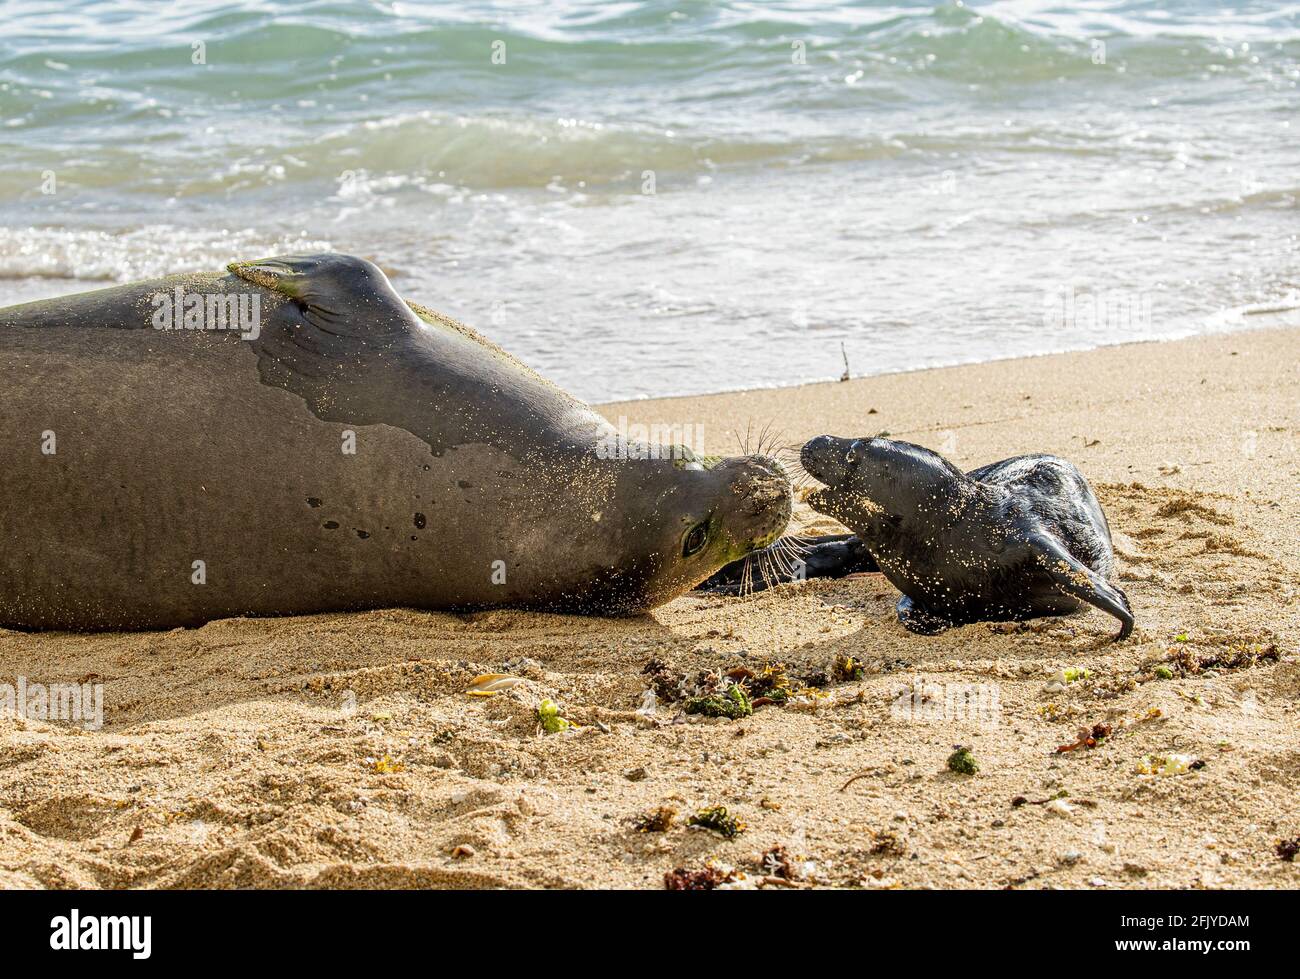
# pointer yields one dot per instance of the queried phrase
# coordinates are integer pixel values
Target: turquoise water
(904, 184)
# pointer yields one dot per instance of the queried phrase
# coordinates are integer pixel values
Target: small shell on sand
(491, 684)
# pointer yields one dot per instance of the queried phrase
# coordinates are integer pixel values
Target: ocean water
(646, 197)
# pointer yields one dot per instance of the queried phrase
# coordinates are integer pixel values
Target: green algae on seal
(355, 451)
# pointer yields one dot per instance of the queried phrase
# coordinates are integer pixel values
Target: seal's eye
(854, 453)
(696, 538)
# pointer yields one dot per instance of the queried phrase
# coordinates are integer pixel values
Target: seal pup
(1016, 539)
(292, 437)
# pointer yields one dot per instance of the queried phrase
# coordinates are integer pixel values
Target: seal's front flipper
(913, 618)
(1075, 578)
(836, 556)
(356, 353)
(815, 557)
(339, 295)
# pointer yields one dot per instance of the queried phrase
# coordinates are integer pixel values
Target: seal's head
(669, 523)
(736, 506)
(873, 479)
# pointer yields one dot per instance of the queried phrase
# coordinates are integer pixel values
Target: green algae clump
(734, 704)
(962, 762)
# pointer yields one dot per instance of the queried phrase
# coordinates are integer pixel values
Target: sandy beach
(342, 750)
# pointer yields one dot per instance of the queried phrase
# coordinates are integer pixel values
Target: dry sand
(244, 753)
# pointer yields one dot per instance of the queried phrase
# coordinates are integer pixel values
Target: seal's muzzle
(764, 498)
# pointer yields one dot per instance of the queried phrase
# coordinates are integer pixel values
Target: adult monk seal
(1016, 539)
(324, 445)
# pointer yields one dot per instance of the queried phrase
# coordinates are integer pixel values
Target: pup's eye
(696, 538)
(854, 453)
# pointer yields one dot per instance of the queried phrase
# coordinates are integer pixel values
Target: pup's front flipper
(1075, 578)
(822, 557)
(918, 620)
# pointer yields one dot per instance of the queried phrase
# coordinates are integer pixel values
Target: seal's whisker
(793, 552)
(801, 541)
(781, 571)
(795, 547)
(784, 574)
(802, 480)
(776, 562)
(790, 553)
(787, 451)
(775, 444)
(746, 575)
(787, 457)
(771, 574)
(803, 473)
(768, 440)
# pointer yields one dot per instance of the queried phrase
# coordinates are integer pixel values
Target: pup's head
(873, 479)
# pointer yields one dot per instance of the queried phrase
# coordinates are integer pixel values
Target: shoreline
(1225, 322)
(1274, 319)
(251, 752)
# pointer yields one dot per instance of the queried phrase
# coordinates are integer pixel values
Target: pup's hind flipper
(1075, 578)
